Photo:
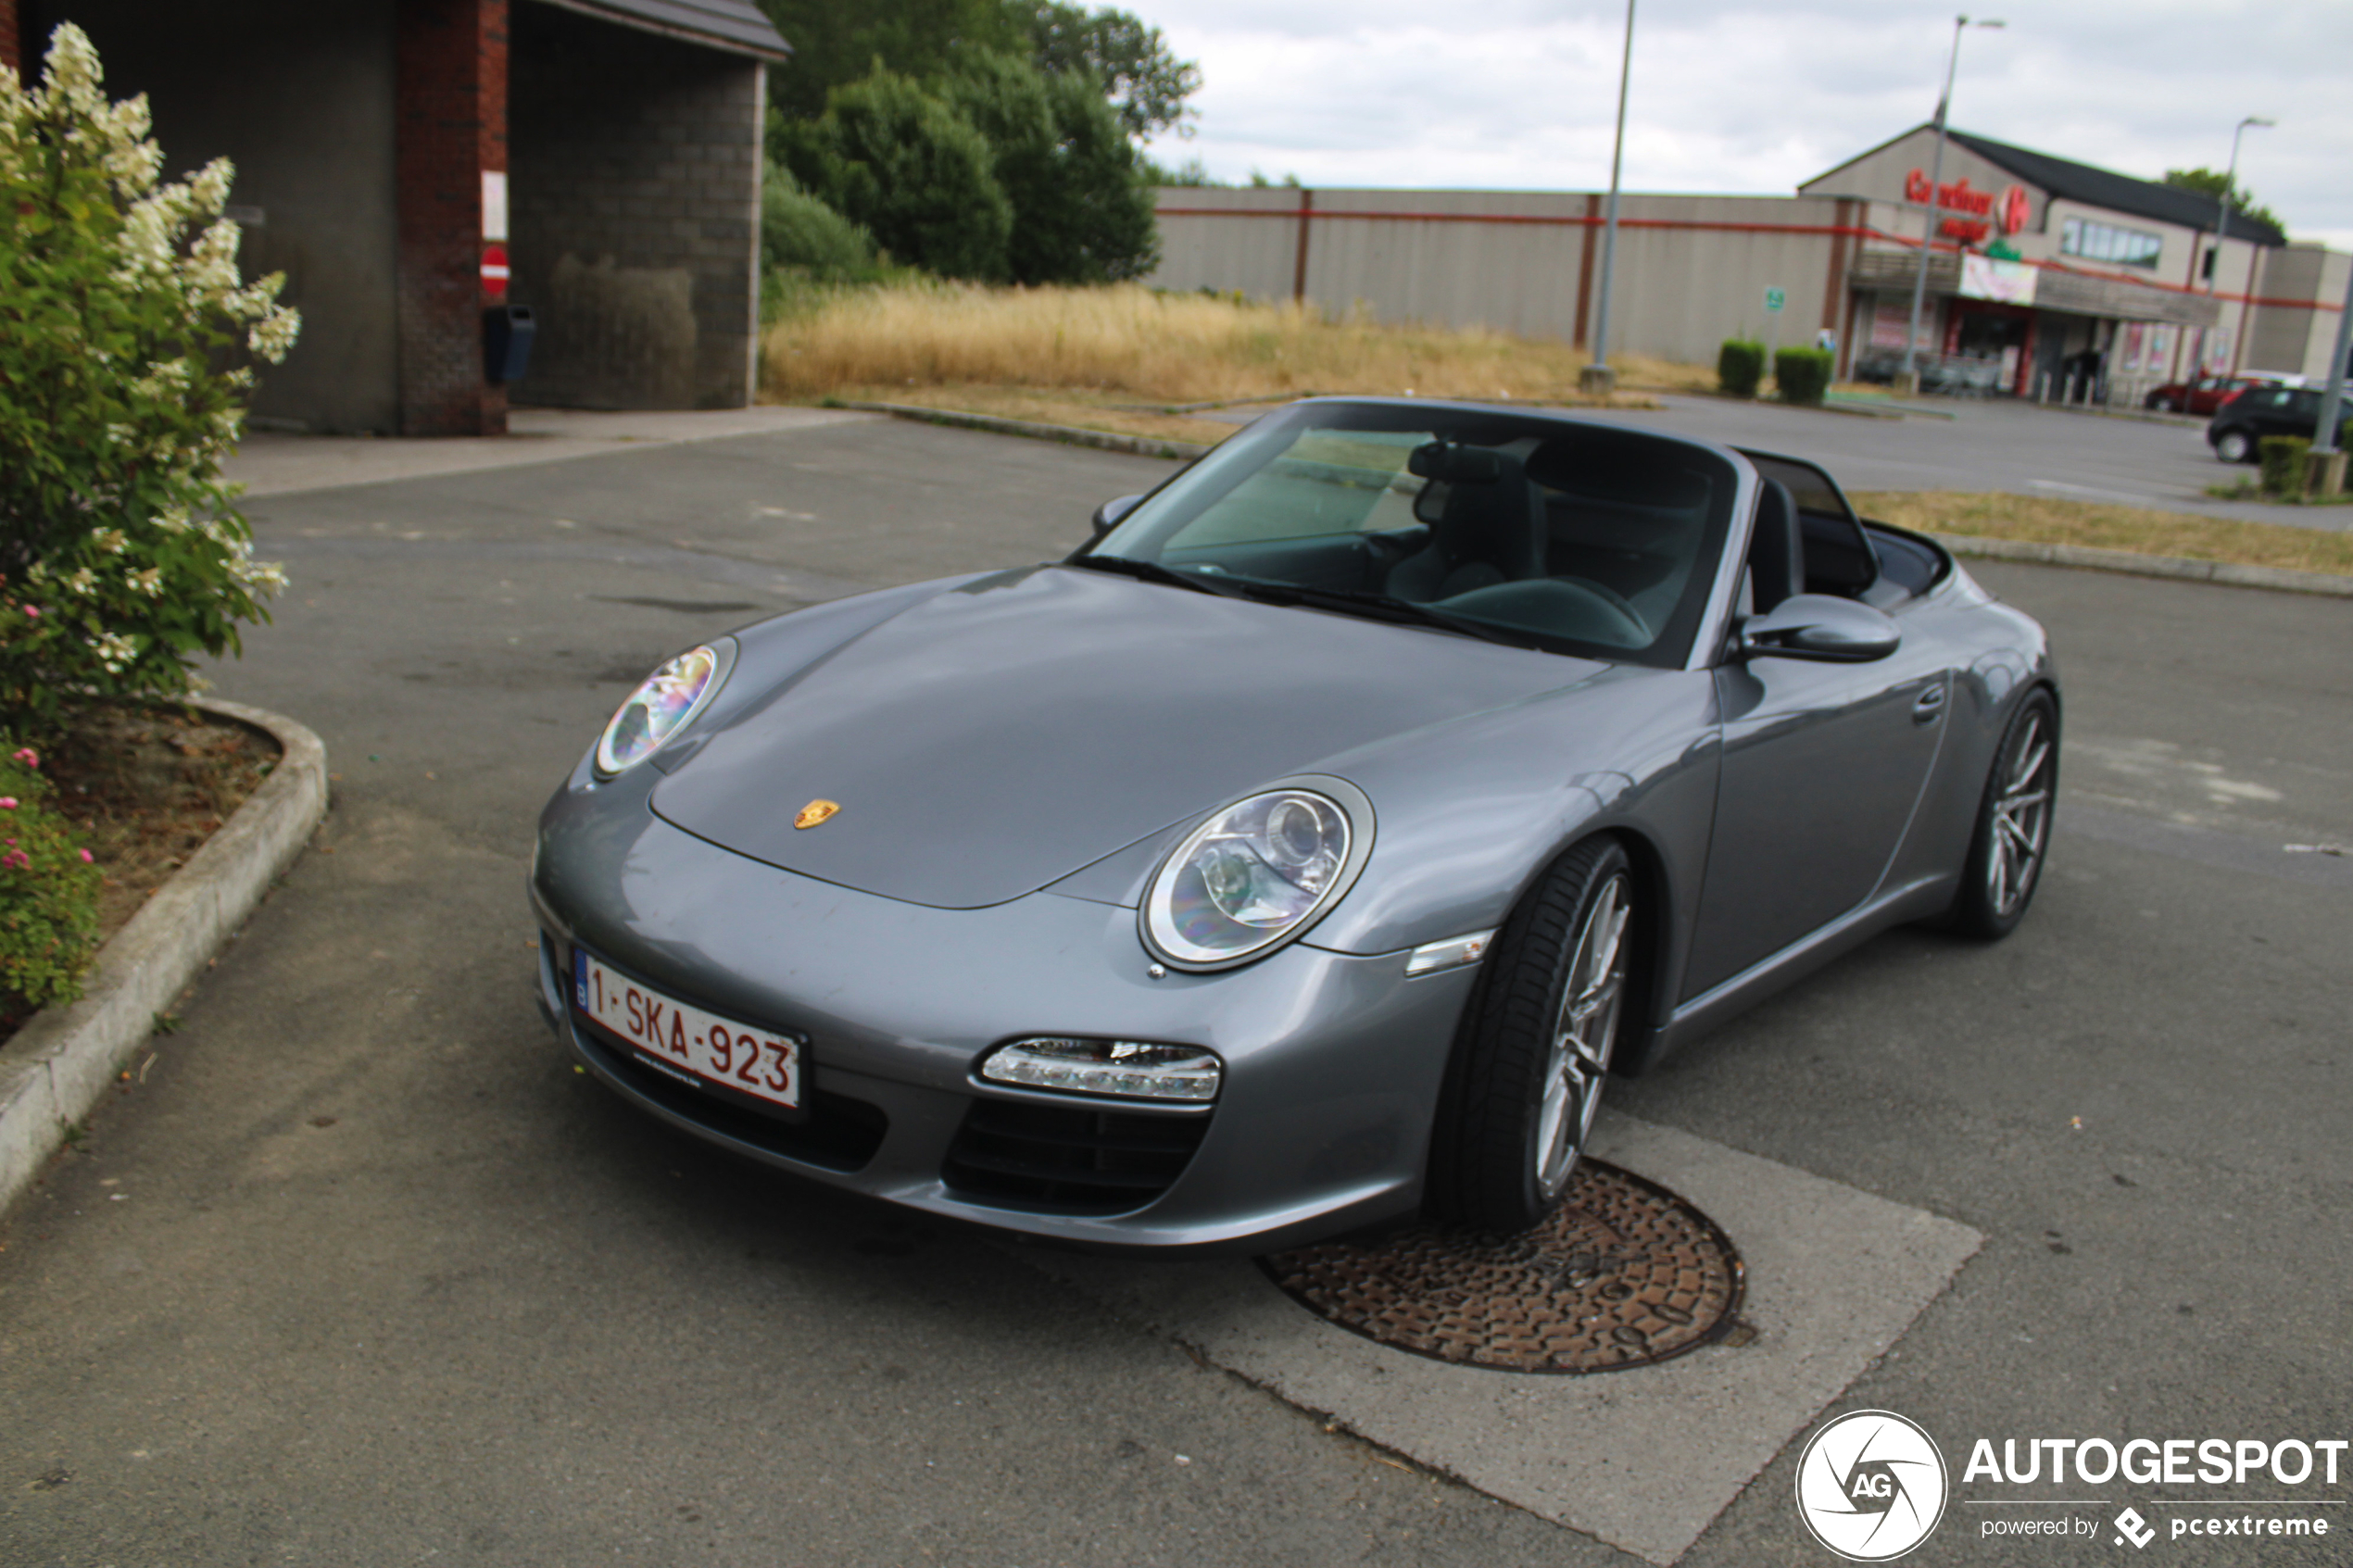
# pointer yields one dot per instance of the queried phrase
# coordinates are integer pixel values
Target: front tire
(2013, 835)
(2234, 447)
(1536, 1044)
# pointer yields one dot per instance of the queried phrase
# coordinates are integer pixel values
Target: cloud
(1742, 98)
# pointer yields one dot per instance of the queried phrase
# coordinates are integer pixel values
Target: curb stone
(58, 1064)
(1134, 445)
(2229, 572)
(2129, 562)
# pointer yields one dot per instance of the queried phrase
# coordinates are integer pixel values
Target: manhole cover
(1624, 1274)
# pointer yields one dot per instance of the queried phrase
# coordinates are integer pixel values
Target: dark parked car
(2257, 411)
(1305, 849)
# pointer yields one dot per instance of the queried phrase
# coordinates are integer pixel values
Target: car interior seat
(1487, 529)
(1776, 550)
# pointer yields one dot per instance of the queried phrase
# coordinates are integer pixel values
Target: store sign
(1974, 212)
(2011, 283)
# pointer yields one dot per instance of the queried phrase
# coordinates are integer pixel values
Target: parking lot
(362, 1271)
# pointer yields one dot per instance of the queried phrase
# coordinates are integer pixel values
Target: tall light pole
(1935, 178)
(2222, 222)
(1598, 376)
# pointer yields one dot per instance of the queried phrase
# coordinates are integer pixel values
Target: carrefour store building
(2047, 278)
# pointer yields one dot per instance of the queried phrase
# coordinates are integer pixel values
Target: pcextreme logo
(1871, 1485)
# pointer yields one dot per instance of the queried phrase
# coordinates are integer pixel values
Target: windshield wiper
(1153, 571)
(1382, 607)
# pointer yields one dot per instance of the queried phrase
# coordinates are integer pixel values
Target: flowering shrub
(123, 328)
(48, 893)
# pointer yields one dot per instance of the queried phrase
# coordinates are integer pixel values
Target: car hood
(1001, 735)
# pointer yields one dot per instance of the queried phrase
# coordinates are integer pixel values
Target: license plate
(759, 1063)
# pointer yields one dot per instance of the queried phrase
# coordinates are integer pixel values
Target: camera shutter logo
(1871, 1485)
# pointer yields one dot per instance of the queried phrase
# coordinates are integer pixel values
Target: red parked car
(2204, 395)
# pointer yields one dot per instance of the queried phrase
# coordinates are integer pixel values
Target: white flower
(114, 651)
(172, 521)
(114, 541)
(83, 581)
(267, 578)
(149, 582)
(274, 334)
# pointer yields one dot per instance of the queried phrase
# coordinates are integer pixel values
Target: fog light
(1129, 1069)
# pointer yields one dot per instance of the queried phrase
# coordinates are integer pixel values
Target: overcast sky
(1732, 96)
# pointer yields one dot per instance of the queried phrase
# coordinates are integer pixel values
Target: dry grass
(1129, 343)
(2042, 521)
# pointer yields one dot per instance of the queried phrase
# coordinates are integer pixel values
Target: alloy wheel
(2022, 818)
(1592, 995)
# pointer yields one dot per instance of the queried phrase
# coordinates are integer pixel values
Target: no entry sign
(494, 272)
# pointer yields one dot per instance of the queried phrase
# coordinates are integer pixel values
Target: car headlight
(665, 704)
(1257, 873)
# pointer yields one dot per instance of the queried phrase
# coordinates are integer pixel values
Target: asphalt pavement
(359, 1270)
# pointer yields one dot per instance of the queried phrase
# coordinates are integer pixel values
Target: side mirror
(1107, 516)
(1817, 627)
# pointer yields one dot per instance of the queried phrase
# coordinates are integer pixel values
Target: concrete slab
(272, 463)
(1642, 1458)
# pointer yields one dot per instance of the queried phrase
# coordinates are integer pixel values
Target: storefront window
(2106, 242)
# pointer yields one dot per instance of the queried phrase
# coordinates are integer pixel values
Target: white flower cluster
(114, 651)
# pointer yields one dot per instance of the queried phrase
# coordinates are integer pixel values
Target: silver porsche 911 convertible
(1305, 850)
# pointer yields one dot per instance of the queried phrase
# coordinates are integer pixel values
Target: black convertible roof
(2103, 187)
(737, 26)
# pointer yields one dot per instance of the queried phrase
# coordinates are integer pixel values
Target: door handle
(1929, 705)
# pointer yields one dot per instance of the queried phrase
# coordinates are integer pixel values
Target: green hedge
(1740, 365)
(2283, 458)
(1803, 375)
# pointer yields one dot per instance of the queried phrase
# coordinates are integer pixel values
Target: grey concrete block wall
(633, 189)
(301, 96)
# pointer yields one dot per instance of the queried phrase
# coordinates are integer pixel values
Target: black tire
(2013, 837)
(1535, 1046)
(2234, 447)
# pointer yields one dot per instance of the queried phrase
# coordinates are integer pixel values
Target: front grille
(836, 1133)
(1069, 1160)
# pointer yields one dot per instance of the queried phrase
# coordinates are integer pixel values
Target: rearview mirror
(1107, 516)
(1817, 627)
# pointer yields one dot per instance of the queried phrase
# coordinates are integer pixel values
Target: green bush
(123, 324)
(909, 170)
(800, 231)
(2283, 460)
(1803, 375)
(48, 892)
(1740, 365)
(1082, 213)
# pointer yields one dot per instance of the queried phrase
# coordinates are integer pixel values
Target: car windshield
(1544, 531)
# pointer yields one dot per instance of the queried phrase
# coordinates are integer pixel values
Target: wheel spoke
(1592, 995)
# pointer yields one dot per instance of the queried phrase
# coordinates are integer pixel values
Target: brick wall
(452, 62)
(634, 197)
(11, 49)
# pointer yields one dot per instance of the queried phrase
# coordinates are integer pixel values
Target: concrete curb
(56, 1068)
(1134, 445)
(2127, 561)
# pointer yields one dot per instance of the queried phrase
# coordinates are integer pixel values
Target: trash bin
(507, 331)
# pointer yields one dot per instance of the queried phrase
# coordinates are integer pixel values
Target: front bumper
(1332, 1061)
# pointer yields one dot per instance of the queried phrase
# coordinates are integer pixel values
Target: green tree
(1129, 63)
(839, 42)
(800, 232)
(1081, 211)
(125, 331)
(2213, 182)
(890, 156)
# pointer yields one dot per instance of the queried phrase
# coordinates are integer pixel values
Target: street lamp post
(2222, 222)
(1598, 377)
(1911, 380)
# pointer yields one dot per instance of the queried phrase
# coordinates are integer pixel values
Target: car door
(1822, 766)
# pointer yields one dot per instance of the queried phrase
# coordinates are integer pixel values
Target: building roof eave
(736, 27)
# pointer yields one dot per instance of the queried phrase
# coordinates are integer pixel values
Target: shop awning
(736, 26)
(1888, 271)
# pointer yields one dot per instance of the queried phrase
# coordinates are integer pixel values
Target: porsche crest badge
(814, 813)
